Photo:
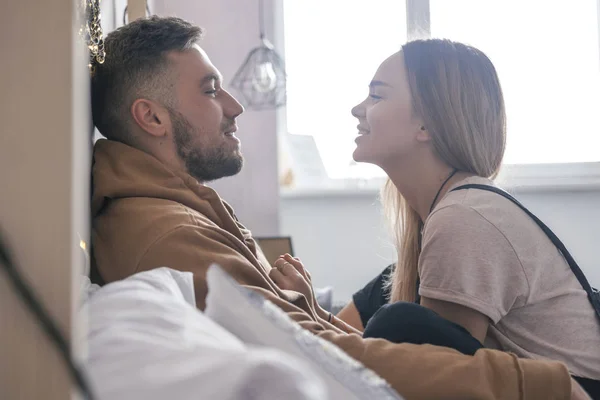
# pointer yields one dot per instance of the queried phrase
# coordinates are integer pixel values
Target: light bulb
(264, 78)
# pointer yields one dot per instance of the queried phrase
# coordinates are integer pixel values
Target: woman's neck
(419, 184)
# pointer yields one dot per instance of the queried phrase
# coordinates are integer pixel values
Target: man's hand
(289, 274)
(577, 392)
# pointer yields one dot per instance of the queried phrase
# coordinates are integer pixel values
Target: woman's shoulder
(480, 216)
(459, 206)
(475, 203)
(470, 197)
(475, 213)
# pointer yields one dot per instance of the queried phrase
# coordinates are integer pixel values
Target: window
(332, 50)
(546, 54)
(547, 57)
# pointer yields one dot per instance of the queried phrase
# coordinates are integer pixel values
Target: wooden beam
(136, 9)
(44, 177)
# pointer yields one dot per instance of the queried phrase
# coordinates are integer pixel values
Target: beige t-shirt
(483, 252)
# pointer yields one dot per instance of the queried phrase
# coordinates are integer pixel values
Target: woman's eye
(211, 92)
(374, 96)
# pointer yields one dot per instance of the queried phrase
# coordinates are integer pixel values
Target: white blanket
(146, 340)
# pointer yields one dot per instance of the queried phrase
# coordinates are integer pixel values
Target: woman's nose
(358, 110)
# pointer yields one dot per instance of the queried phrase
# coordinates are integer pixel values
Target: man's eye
(375, 97)
(211, 92)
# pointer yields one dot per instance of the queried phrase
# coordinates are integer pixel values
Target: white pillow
(86, 288)
(257, 321)
(147, 340)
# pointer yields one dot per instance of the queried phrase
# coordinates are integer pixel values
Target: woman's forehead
(392, 71)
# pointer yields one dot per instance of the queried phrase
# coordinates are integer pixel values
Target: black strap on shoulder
(592, 293)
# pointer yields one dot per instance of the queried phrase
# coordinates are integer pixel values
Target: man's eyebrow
(211, 77)
(378, 83)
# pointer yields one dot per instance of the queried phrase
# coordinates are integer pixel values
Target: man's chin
(233, 167)
(210, 172)
(237, 169)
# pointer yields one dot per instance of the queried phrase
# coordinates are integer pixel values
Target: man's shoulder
(128, 227)
(157, 214)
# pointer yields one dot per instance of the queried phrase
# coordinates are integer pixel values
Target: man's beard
(204, 164)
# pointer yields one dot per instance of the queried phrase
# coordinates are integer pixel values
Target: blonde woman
(486, 274)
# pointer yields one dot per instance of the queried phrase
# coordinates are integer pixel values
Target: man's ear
(150, 116)
(423, 134)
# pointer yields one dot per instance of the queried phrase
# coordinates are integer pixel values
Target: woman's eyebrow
(378, 83)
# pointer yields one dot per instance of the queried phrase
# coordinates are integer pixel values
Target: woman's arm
(473, 321)
(469, 272)
(349, 314)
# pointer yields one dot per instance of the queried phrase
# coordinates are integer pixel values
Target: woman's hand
(289, 274)
(577, 392)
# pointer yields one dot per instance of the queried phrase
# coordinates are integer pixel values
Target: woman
(486, 274)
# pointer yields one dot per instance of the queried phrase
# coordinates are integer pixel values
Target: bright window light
(332, 50)
(546, 54)
(547, 57)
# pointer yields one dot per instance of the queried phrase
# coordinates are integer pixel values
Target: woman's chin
(360, 156)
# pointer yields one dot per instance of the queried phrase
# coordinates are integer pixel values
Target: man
(171, 128)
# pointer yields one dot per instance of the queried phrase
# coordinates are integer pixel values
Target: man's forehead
(193, 61)
(196, 47)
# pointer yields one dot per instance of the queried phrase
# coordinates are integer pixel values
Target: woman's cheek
(380, 117)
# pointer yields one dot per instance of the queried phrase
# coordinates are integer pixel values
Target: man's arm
(195, 248)
(416, 372)
(423, 372)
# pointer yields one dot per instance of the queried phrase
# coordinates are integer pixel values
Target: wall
(343, 241)
(231, 31)
(112, 12)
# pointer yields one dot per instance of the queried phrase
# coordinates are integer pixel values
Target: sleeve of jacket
(424, 372)
(194, 248)
(416, 372)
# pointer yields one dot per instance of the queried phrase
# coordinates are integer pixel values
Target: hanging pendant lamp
(261, 78)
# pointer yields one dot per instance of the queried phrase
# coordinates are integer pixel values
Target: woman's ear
(150, 117)
(423, 134)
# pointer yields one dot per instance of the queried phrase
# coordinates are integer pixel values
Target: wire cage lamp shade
(261, 80)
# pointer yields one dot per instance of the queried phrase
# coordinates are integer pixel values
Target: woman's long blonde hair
(456, 92)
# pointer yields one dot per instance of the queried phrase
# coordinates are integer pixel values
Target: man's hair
(136, 66)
